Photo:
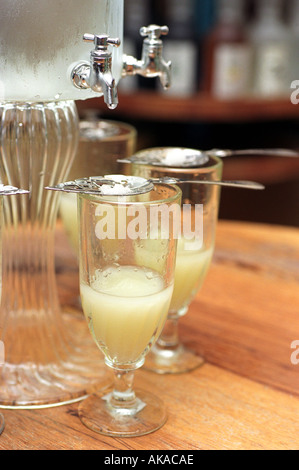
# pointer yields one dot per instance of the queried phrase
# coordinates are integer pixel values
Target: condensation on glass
(41, 41)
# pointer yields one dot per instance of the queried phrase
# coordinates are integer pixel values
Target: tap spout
(110, 92)
(101, 80)
(97, 75)
(152, 63)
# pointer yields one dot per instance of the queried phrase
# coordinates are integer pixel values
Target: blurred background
(235, 67)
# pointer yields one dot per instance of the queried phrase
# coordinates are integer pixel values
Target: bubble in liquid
(150, 275)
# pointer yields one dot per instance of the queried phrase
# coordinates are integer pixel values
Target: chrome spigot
(97, 74)
(152, 63)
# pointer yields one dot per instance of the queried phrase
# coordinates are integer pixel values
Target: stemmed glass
(194, 253)
(101, 144)
(127, 260)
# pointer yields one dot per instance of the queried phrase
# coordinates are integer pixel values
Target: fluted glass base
(173, 361)
(96, 414)
(50, 358)
(121, 411)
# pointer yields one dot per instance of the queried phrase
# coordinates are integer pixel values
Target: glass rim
(127, 200)
(36, 104)
(130, 130)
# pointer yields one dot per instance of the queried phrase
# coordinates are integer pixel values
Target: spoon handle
(259, 152)
(231, 184)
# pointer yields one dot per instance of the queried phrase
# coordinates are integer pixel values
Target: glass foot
(167, 361)
(148, 415)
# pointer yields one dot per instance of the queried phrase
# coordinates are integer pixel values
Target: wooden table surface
(244, 320)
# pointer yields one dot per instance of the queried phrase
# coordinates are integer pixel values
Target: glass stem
(123, 396)
(169, 339)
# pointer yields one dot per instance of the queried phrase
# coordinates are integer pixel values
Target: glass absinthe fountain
(47, 65)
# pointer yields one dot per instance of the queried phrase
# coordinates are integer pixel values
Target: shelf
(151, 105)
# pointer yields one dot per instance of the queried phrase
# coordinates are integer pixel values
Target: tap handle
(154, 31)
(101, 41)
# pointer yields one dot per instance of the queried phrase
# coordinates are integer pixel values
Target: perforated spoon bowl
(189, 158)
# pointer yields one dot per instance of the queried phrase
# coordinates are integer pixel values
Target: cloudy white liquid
(126, 308)
(190, 272)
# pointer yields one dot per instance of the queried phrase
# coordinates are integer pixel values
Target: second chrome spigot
(152, 63)
(97, 74)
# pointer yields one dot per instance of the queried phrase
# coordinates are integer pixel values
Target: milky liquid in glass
(169, 354)
(126, 308)
(192, 263)
(190, 271)
(124, 300)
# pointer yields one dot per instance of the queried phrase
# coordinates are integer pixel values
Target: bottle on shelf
(227, 52)
(272, 43)
(181, 46)
(204, 19)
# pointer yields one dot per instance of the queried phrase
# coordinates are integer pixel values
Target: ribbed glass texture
(44, 359)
